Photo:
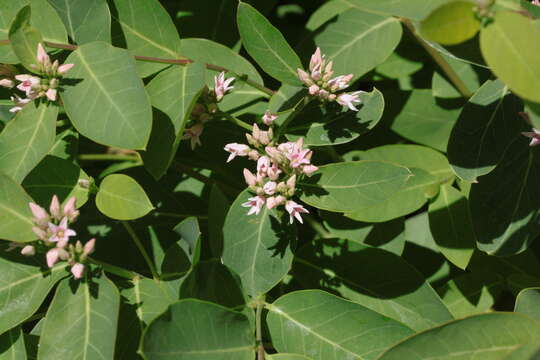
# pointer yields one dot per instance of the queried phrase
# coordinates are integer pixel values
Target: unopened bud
(77, 270)
(28, 250)
(251, 179)
(55, 208)
(89, 247)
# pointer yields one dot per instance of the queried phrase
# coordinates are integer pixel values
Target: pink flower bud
(41, 234)
(270, 188)
(304, 77)
(64, 68)
(28, 250)
(54, 209)
(40, 215)
(52, 257)
(291, 182)
(256, 132)
(236, 150)
(313, 90)
(77, 270)
(271, 202)
(51, 94)
(254, 155)
(70, 210)
(316, 59)
(268, 118)
(42, 56)
(89, 247)
(309, 169)
(8, 83)
(251, 179)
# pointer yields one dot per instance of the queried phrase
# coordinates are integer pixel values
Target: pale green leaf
(412, 9)
(47, 21)
(198, 330)
(24, 39)
(266, 45)
(150, 298)
(344, 187)
(15, 215)
(148, 30)
(349, 330)
(451, 24)
(106, 100)
(528, 301)
(8, 11)
(121, 197)
(358, 41)
(486, 336)
(85, 20)
(81, 321)
(27, 139)
(255, 244)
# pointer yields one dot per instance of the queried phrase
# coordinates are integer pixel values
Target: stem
(258, 331)
(296, 110)
(237, 121)
(141, 248)
(443, 64)
(317, 226)
(118, 271)
(108, 157)
(183, 61)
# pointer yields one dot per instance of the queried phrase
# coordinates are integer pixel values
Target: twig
(182, 61)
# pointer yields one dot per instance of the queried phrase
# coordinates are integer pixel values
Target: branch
(183, 61)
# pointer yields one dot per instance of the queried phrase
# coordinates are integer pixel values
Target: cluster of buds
(52, 229)
(45, 85)
(206, 107)
(278, 168)
(321, 84)
(534, 135)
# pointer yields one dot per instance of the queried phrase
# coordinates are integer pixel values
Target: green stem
(296, 110)
(141, 248)
(317, 226)
(108, 157)
(258, 329)
(443, 64)
(237, 121)
(118, 271)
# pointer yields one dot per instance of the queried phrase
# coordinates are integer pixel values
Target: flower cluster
(45, 85)
(321, 84)
(54, 233)
(206, 107)
(278, 168)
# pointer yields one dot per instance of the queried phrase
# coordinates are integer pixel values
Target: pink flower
(313, 89)
(536, 2)
(8, 83)
(54, 208)
(255, 204)
(41, 233)
(41, 217)
(221, 86)
(236, 150)
(273, 172)
(77, 270)
(42, 56)
(61, 233)
(295, 210)
(194, 134)
(268, 118)
(534, 136)
(274, 201)
(309, 169)
(251, 179)
(263, 164)
(89, 246)
(64, 68)
(28, 83)
(270, 188)
(19, 103)
(350, 99)
(296, 155)
(291, 183)
(340, 82)
(316, 60)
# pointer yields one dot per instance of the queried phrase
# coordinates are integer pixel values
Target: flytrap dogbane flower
(278, 166)
(327, 89)
(221, 85)
(45, 84)
(534, 135)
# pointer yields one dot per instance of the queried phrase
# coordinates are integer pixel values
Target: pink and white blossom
(89, 247)
(534, 135)
(51, 94)
(221, 86)
(269, 118)
(70, 209)
(61, 233)
(350, 99)
(64, 68)
(295, 210)
(236, 150)
(28, 83)
(41, 217)
(254, 204)
(309, 169)
(270, 188)
(251, 179)
(42, 56)
(54, 255)
(263, 164)
(54, 208)
(340, 82)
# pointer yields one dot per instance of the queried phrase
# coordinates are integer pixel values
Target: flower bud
(270, 188)
(28, 250)
(251, 179)
(89, 247)
(309, 169)
(313, 90)
(52, 257)
(254, 155)
(41, 234)
(7, 83)
(268, 118)
(55, 208)
(77, 270)
(70, 210)
(41, 217)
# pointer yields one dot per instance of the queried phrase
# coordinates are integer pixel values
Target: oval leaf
(255, 244)
(267, 45)
(344, 187)
(122, 198)
(451, 23)
(24, 39)
(15, 215)
(47, 21)
(350, 331)
(118, 113)
(214, 333)
(491, 335)
(88, 330)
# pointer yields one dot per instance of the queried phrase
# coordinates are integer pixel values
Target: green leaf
(411, 156)
(488, 124)
(56, 176)
(528, 301)
(12, 345)
(88, 329)
(389, 236)
(398, 66)
(23, 287)
(118, 113)
(213, 333)
(509, 45)
(451, 24)
(15, 215)
(491, 335)
(325, 12)
(174, 92)
(85, 21)
(350, 331)
(287, 357)
(47, 21)
(7, 15)
(472, 76)
(213, 282)
(66, 145)
(358, 41)
(148, 30)
(410, 197)
(121, 197)
(412, 9)
(425, 120)
(218, 206)
(190, 232)
(505, 204)
(267, 46)
(337, 126)
(344, 187)
(255, 244)
(451, 226)
(361, 274)
(24, 39)
(27, 139)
